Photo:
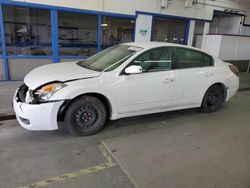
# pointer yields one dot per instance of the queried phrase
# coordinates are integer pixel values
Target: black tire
(213, 99)
(85, 116)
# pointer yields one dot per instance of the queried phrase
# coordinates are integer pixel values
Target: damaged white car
(122, 81)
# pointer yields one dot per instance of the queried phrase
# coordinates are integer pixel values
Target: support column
(205, 32)
(191, 33)
(144, 28)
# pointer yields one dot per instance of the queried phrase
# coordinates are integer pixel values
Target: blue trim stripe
(54, 34)
(5, 60)
(3, 81)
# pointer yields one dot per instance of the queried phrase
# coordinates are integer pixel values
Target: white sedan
(125, 80)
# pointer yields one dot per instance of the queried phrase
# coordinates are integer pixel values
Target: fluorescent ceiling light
(104, 25)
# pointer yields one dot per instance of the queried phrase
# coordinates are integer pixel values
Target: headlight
(46, 92)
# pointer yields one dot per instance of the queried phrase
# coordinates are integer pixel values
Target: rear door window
(188, 58)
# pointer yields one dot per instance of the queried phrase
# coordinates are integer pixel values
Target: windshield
(110, 58)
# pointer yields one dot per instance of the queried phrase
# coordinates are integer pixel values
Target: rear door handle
(209, 74)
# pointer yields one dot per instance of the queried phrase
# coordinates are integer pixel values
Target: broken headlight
(46, 92)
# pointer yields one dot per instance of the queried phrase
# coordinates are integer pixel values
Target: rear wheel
(85, 116)
(213, 99)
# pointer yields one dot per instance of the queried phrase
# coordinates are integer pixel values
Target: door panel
(194, 72)
(154, 88)
(146, 91)
(191, 85)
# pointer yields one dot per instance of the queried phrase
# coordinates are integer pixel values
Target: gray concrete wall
(1, 70)
(18, 68)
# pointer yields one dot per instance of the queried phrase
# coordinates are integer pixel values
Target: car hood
(57, 72)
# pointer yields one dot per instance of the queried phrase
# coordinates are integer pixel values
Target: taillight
(234, 69)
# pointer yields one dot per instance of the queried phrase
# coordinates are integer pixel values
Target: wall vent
(189, 3)
(164, 3)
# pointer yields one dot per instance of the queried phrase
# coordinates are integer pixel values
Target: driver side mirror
(133, 69)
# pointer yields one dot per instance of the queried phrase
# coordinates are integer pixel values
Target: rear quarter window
(189, 58)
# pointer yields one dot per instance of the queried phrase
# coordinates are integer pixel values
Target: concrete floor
(7, 90)
(244, 81)
(174, 149)
(190, 150)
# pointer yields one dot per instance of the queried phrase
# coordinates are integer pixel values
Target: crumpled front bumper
(37, 116)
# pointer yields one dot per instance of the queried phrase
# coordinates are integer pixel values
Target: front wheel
(213, 99)
(85, 116)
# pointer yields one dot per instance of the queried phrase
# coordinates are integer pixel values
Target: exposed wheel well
(223, 88)
(66, 104)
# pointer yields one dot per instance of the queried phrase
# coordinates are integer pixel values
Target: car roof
(148, 45)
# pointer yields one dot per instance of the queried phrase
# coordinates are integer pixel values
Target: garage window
(169, 30)
(116, 31)
(27, 31)
(77, 34)
(188, 58)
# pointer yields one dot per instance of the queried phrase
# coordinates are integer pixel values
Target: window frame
(146, 51)
(191, 49)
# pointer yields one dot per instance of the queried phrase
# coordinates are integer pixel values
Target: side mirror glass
(133, 69)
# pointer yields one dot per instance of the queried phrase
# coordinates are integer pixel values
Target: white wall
(213, 44)
(228, 47)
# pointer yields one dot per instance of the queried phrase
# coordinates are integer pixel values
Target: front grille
(22, 93)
